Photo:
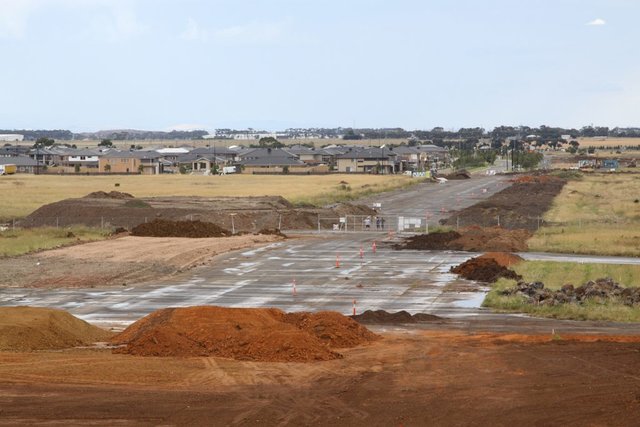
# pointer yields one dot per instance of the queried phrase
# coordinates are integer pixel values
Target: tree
(76, 168)
(105, 143)
(270, 142)
(141, 168)
(107, 167)
(350, 135)
(43, 142)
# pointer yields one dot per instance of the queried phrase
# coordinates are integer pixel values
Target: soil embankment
(473, 239)
(242, 333)
(519, 206)
(245, 214)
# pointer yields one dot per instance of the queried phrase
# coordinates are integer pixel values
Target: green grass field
(556, 274)
(597, 214)
(28, 192)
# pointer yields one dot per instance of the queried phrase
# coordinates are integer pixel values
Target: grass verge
(22, 241)
(596, 214)
(556, 274)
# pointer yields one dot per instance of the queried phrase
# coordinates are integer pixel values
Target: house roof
(369, 153)
(215, 150)
(143, 155)
(273, 161)
(18, 161)
(258, 153)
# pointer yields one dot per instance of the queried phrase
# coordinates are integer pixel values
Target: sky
(87, 65)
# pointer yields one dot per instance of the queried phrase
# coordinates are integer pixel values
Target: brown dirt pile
(504, 259)
(118, 195)
(244, 214)
(474, 239)
(400, 317)
(519, 206)
(167, 228)
(484, 270)
(32, 328)
(243, 334)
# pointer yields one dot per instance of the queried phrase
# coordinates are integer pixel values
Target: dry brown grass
(608, 142)
(25, 193)
(595, 215)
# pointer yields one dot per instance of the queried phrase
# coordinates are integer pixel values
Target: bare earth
(124, 260)
(409, 379)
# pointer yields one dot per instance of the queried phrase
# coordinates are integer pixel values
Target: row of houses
(293, 159)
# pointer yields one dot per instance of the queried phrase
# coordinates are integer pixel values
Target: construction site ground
(410, 378)
(472, 367)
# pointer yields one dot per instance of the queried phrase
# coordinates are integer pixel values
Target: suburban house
(272, 160)
(200, 162)
(24, 164)
(82, 158)
(14, 150)
(144, 162)
(369, 160)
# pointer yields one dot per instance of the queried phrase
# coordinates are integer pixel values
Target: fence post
(13, 226)
(280, 222)
(102, 222)
(498, 220)
(57, 222)
(318, 222)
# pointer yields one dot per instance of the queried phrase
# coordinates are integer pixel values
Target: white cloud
(250, 33)
(14, 17)
(194, 31)
(119, 18)
(597, 22)
(124, 24)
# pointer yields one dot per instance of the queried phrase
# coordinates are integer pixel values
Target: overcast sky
(163, 64)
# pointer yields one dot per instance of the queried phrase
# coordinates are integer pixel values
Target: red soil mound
(242, 334)
(484, 270)
(167, 228)
(504, 259)
(474, 239)
(34, 328)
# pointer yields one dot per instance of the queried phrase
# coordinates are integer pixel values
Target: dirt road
(424, 378)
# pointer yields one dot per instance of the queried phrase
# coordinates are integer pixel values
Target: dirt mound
(495, 239)
(520, 206)
(432, 241)
(241, 214)
(118, 195)
(332, 328)
(601, 289)
(242, 334)
(504, 259)
(384, 317)
(484, 270)
(272, 232)
(460, 174)
(167, 228)
(32, 328)
(475, 239)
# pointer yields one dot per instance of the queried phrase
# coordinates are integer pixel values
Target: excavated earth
(484, 270)
(474, 239)
(519, 206)
(34, 328)
(246, 214)
(243, 334)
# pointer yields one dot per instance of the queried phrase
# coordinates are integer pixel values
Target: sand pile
(32, 328)
(167, 228)
(474, 239)
(484, 270)
(243, 334)
(384, 317)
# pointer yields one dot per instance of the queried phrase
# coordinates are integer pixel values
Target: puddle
(471, 300)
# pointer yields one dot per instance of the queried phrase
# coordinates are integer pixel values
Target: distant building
(11, 137)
